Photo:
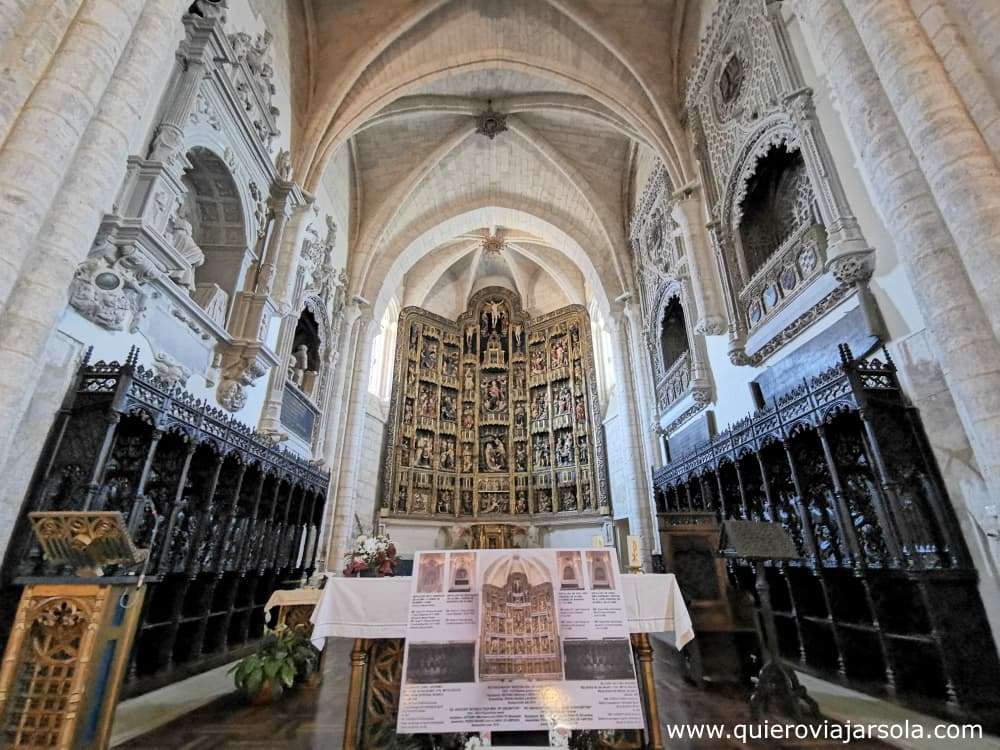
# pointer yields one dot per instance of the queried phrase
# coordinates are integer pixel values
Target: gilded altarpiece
(494, 414)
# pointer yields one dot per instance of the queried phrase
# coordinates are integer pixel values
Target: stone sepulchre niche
(493, 416)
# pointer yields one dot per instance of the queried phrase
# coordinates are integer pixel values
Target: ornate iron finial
(490, 122)
(133, 357)
(846, 356)
(888, 359)
(86, 356)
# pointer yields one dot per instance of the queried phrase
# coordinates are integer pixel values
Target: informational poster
(517, 640)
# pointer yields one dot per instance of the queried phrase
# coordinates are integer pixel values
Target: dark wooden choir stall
(227, 515)
(885, 597)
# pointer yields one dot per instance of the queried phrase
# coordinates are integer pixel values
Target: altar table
(374, 611)
(378, 608)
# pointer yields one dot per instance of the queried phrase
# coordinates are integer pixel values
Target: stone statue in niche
(520, 457)
(469, 381)
(448, 409)
(494, 396)
(467, 503)
(581, 446)
(542, 456)
(574, 337)
(408, 411)
(539, 408)
(411, 377)
(450, 363)
(564, 449)
(578, 373)
(537, 361)
(425, 451)
(404, 451)
(401, 499)
(560, 356)
(298, 365)
(429, 355)
(494, 454)
(585, 495)
(580, 410)
(448, 454)
(414, 335)
(428, 403)
(470, 339)
(445, 501)
(180, 232)
(467, 460)
(521, 502)
(468, 420)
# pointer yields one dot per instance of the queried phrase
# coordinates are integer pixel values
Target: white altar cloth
(378, 608)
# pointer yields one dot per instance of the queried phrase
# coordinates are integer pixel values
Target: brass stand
(72, 637)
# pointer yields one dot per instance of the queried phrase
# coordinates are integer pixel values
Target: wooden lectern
(72, 635)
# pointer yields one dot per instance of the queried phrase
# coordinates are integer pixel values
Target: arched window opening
(779, 201)
(304, 361)
(673, 333)
(383, 351)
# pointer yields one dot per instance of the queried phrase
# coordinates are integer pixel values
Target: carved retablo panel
(494, 414)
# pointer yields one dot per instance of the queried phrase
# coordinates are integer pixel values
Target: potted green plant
(282, 657)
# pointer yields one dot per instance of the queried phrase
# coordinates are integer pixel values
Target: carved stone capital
(852, 269)
(712, 325)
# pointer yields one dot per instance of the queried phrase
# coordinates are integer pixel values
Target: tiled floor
(313, 719)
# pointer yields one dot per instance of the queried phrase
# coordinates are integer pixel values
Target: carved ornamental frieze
(495, 415)
(780, 218)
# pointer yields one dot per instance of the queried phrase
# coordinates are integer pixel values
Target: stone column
(39, 297)
(707, 293)
(43, 142)
(637, 493)
(960, 328)
(344, 501)
(645, 396)
(30, 34)
(960, 169)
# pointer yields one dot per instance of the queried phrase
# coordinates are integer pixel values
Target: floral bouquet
(372, 553)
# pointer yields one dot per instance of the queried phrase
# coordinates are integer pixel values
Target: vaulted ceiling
(588, 88)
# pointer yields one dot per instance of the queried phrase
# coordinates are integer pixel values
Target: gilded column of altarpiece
(495, 414)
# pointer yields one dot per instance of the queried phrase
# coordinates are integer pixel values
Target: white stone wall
(369, 477)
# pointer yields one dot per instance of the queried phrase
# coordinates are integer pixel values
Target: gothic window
(383, 347)
(673, 333)
(779, 200)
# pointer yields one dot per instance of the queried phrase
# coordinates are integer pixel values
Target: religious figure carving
(539, 407)
(544, 504)
(425, 450)
(519, 380)
(518, 332)
(537, 361)
(521, 502)
(404, 451)
(581, 410)
(560, 356)
(401, 499)
(542, 454)
(564, 449)
(467, 503)
(445, 500)
(469, 381)
(421, 501)
(298, 365)
(567, 499)
(448, 409)
(470, 339)
(408, 411)
(180, 231)
(494, 454)
(428, 355)
(521, 457)
(582, 449)
(494, 395)
(520, 415)
(450, 363)
(428, 402)
(448, 454)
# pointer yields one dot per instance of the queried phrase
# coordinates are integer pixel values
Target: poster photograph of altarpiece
(517, 640)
